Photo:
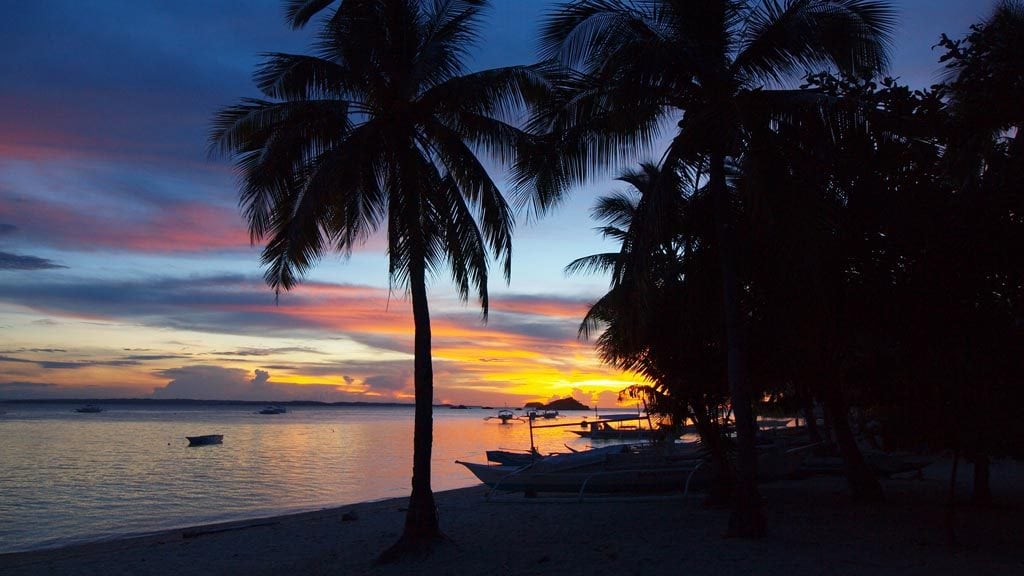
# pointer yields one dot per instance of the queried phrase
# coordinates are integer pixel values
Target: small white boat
(89, 409)
(206, 440)
(273, 410)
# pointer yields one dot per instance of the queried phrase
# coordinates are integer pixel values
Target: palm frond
(298, 13)
(299, 77)
(464, 246)
(801, 36)
(593, 264)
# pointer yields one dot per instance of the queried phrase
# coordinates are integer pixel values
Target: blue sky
(125, 269)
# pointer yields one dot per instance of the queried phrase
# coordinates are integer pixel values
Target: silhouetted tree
(661, 317)
(632, 65)
(383, 126)
(984, 157)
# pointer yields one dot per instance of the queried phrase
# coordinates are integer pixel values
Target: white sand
(814, 529)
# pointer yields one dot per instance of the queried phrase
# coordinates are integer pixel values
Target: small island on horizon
(568, 403)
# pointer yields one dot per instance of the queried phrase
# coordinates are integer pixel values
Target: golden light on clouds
(323, 341)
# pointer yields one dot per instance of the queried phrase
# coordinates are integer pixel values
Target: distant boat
(273, 410)
(205, 440)
(602, 429)
(506, 416)
(89, 409)
(458, 407)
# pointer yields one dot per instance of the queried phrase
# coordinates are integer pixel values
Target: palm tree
(660, 317)
(629, 66)
(383, 126)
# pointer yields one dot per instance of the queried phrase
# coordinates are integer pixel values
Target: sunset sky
(126, 270)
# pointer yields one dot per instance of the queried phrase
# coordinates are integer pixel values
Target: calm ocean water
(67, 477)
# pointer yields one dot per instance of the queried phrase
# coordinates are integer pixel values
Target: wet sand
(813, 529)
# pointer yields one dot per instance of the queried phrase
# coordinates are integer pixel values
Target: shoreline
(192, 530)
(813, 529)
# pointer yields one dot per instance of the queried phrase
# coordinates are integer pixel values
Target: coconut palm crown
(383, 126)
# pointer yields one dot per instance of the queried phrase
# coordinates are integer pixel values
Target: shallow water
(67, 477)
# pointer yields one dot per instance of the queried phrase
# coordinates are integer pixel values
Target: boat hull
(508, 458)
(640, 434)
(598, 480)
(206, 440)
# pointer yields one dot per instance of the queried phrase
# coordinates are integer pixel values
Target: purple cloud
(9, 261)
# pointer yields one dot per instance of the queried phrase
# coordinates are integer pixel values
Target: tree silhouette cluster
(881, 264)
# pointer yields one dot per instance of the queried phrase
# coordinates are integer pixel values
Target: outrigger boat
(620, 468)
(602, 429)
(628, 468)
(511, 458)
(623, 468)
(609, 469)
(506, 416)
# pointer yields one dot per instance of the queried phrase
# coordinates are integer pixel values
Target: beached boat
(608, 432)
(624, 468)
(89, 409)
(205, 440)
(602, 429)
(505, 416)
(609, 469)
(512, 458)
(889, 463)
(883, 464)
(273, 410)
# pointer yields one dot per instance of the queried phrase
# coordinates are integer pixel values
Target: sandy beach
(814, 529)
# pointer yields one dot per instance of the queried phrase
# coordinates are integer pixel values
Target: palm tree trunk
(807, 406)
(421, 524)
(864, 485)
(723, 480)
(747, 518)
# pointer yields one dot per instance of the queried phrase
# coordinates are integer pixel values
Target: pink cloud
(180, 227)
